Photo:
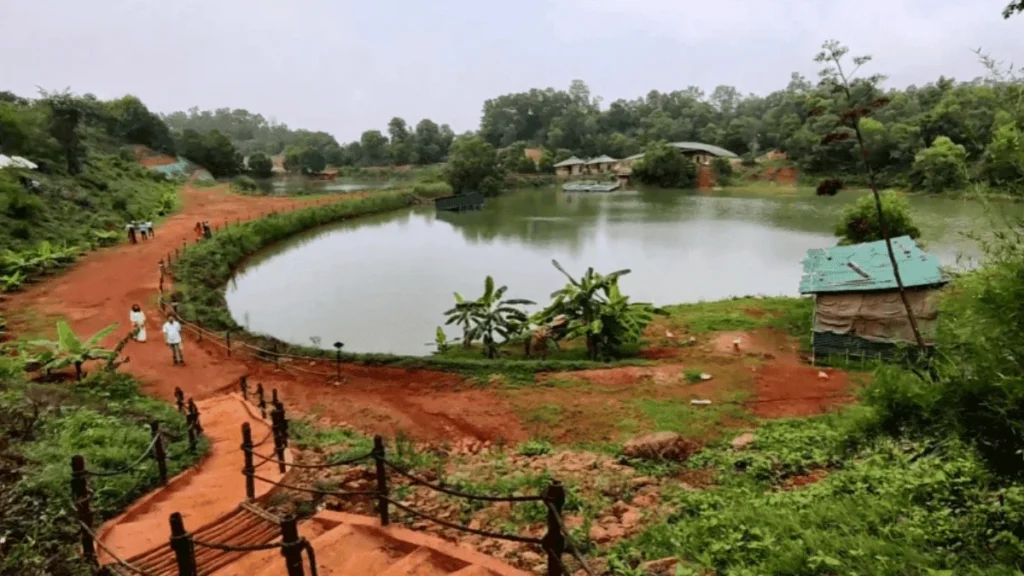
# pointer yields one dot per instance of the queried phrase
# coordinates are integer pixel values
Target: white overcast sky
(345, 66)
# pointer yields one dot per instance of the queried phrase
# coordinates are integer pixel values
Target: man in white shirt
(172, 331)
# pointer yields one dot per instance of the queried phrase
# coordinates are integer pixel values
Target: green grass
(789, 315)
(690, 420)
(892, 507)
(110, 191)
(105, 419)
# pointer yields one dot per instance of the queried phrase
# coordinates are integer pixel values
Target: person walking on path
(207, 231)
(172, 331)
(131, 233)
(138, 319)
(199, 231)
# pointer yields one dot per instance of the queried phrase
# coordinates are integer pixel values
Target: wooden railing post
(382, 480)
(248, 469)
(194, 411)
(261, 401)
(554, 539)
(183, 547)
(158, 450)
(227, 338)
(179, 399)
(277, 429)
(291, 547)
(244, 383)
(193, 439)
(80, 496)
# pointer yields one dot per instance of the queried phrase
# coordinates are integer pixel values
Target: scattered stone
(705, 376)
(822, 376)
(641, 481)
(530, 557)
(742, 441)
(660, 446)
(700, 402)
(649, 500)
(663, 567)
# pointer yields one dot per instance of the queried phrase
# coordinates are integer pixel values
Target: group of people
(203, 230)
(171, 330)
(135, 229)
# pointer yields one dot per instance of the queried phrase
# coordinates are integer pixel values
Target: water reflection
(380, 283)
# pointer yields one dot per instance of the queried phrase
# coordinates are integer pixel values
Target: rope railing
(456, 493)
(556, 541)
(120, 561)
(317, 491)
(130, 467)
(461, 528)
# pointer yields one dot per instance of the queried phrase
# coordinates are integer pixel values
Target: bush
(723, 170)
(664, 166)
(859, 222)
(432, 189)
(974, 388)
(473, 167)
(244, 184)
(261, 166)
(940, 167)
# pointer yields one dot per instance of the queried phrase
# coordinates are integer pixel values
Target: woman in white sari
(138, 320)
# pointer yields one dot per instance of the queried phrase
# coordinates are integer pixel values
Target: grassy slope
(109, 192)
(105, 419)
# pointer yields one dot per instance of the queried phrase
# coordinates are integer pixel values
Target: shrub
(244, 184)
(664, 166)
(940, 167)
(432, 189)
(859, 222)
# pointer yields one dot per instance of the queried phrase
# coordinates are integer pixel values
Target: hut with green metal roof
(858, 312)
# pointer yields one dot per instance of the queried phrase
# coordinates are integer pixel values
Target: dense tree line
(969, 127)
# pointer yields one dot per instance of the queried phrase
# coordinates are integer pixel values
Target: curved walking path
(100, 289)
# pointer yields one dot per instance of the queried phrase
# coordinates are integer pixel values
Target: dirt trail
(100, 289)
(202, 494)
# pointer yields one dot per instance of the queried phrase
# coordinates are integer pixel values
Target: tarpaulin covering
(877, 316)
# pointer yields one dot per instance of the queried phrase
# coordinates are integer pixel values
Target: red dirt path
(100, 289)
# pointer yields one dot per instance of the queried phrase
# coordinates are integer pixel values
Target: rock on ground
(660, 446)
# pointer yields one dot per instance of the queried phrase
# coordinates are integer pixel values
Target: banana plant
(462, 314)
(11, 282)
(493, 316)
(70, 350)
(597, 311)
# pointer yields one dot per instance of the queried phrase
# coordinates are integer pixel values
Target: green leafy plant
(441, 341)
(490, 316)
(70, 350)
(597, 311)
(11, 282)
(462, 314)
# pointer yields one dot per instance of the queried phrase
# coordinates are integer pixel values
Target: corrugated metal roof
(574, 161)
(864, 267)
(602, 159)
(702, 147)
(635, 157)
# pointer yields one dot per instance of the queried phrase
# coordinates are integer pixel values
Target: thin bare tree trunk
(882, 226)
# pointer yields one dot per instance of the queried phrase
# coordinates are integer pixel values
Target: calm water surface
(382, 283)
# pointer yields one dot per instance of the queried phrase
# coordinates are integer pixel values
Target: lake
(382, 283)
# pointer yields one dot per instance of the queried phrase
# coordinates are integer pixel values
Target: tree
(546, 164)
(859, 222)
(312, 161)
(595, 309)
(723, 169)
(375, 148)
(133, 122)
(857, 102)
(473, 167)
(1014, 7)
(1004, 157)
(261, 165)
(65, 117)
(663, 165)
(940, 167)
(293, 159)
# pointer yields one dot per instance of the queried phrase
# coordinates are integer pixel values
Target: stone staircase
(348, 544)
